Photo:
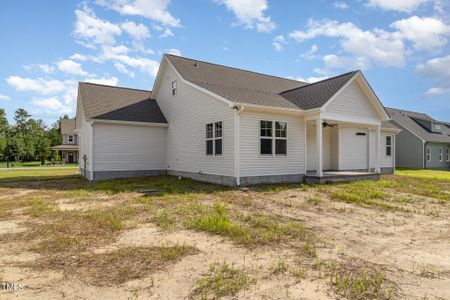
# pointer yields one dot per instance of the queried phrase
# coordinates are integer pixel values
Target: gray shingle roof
(235, 84)
(407, 120)
(388, 124)
(317, 94)
(250, 87)
(103, 102)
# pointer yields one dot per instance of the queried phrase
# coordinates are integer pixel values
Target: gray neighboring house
(423, 143)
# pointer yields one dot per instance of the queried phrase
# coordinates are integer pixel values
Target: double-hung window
(440, 154)
(428, 154)
(448, 154)
(214, 138)
(70, 138)
(273, 138)
(388, 145)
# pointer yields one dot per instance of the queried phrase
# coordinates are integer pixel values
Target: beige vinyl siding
(187, 114)
(129, 147)
(354, 149)
(66, 139)
(253, 164)
(352, 102)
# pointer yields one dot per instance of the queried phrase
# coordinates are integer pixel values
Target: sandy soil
(412, 248)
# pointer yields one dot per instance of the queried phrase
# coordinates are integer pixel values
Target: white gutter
(149, 124)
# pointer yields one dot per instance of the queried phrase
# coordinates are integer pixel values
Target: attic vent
(361, 133)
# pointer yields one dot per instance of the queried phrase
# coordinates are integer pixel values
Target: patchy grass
(424, 174)
(40, 207)
(358, 280)
(122, 265)
(249, 229)
(41, 174)
(222, 280)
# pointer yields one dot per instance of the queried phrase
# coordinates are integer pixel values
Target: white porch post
(377, 148)
(319, 171)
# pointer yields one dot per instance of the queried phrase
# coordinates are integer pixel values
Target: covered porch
(342, 149)
(68, 153)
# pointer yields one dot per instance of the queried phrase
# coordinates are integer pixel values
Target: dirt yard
(61, 237)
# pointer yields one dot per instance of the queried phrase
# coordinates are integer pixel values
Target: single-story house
(235, 127)
(423, 143)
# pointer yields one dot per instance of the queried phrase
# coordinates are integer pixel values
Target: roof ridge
(410, 111)
(235, 68)
(117, 87)
(321, 81)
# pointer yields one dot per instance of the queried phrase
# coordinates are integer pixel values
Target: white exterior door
(354, 149)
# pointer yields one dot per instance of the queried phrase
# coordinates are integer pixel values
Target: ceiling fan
(325, 124)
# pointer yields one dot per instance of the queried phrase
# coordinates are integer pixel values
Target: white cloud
(39, 85)
(123, 69)
(366, 47)
(437, 69)
(312, 79)
(278, 43)
(103, 80)
(250, 14)
(155, 10)
(166, 33)
(174, 52)
(397, 5)
(46, 69)
(51, 106)
(93, 31)
(311, 54)
(436, 91)
(137, 31)
(70, 67)
(78, 56)
(425, 33)
(340, 5)
(4, 97)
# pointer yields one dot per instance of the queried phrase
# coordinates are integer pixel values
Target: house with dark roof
(68, 150)
(235, 127)
(423, 143)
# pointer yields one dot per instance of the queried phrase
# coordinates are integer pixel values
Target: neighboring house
(234, 127)
(69, 148)
(423, 143)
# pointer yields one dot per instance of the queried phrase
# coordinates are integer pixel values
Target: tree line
(28, 139)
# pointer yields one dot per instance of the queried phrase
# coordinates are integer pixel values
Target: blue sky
(48, 46)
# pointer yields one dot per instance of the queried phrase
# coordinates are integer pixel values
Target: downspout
(237, 138)
(91, 150)
(424, 151)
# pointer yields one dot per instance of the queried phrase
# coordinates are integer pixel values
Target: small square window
(70, 139)
(174, 88)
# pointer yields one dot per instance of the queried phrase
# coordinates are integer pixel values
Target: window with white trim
(437, 127)
(174, 88)
(214, 139)
(273, 138)
(448, 154)
(440, 154)
(70, 138)
(388, 145)
(428, 154)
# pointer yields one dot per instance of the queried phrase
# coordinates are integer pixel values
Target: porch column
(377, 148)
(319, 155)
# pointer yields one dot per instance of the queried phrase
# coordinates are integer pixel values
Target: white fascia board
(412, 132)
(265, 108)
(147, 124)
